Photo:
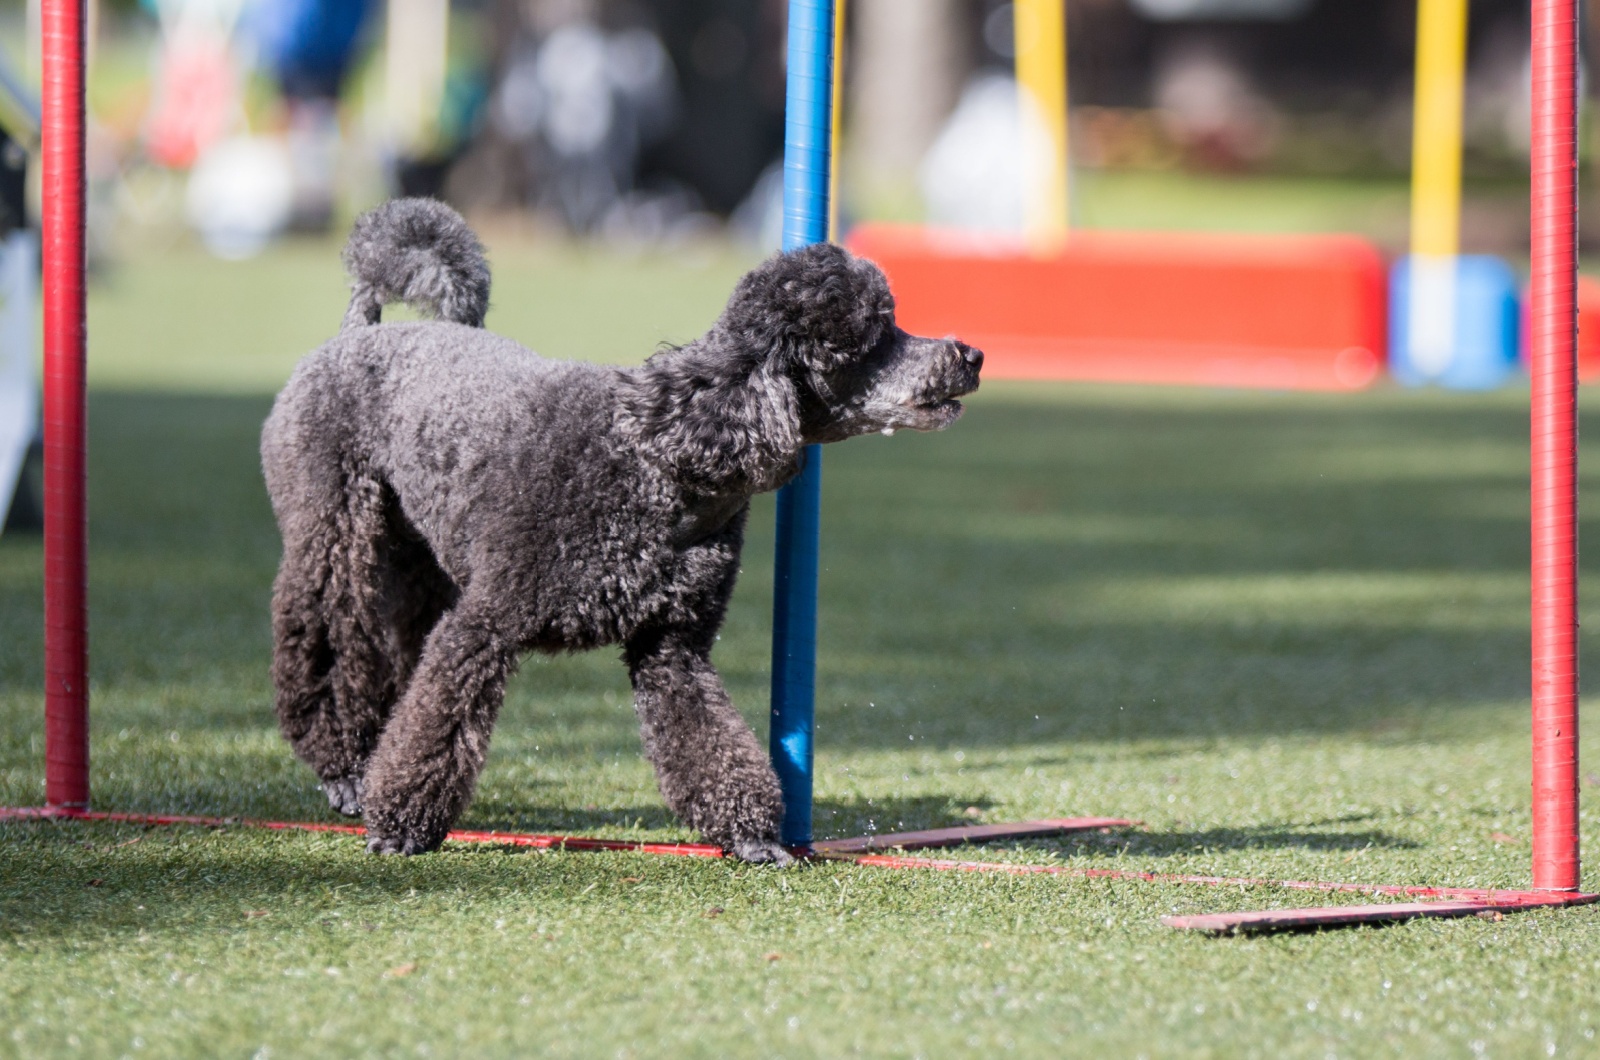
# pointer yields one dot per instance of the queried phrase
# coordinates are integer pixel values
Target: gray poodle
(449, 500)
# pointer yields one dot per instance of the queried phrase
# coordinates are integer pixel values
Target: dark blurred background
(662, 121)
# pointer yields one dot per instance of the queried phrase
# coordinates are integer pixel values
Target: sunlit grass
(1286, 632)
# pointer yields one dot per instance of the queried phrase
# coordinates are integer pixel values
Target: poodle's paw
(389, 833)
(385, 845)
(761, 852)
(344, 795)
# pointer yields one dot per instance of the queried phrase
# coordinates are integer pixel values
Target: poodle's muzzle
(917, 384)
(954, 373)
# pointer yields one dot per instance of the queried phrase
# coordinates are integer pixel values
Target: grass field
(1288, 632)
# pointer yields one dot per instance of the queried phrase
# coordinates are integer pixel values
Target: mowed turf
(1287, 632)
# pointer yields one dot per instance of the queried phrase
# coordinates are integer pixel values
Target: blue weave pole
(808, 127)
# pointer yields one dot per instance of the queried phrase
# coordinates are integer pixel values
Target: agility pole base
(1435, 902)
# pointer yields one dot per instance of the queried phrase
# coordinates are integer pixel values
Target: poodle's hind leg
(710, 767)
(427, 761)
(302, 668)
(348, 620)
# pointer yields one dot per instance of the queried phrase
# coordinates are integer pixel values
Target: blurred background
(240, 122)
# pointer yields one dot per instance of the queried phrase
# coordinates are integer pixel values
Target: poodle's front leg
(426, 763)
(711, 770)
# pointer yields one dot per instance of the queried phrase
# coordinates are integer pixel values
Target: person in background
(308, 48)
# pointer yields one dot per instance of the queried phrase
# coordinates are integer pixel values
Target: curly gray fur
(449, 500)
(420, 252)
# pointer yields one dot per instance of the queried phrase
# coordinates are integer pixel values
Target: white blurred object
(518, 105)
(582, 103)
(240, 195)
(415, 60)
(575, 77)
(1241, 10)
(974, 175)
(642, 73)
(907, 66)
(19, 393)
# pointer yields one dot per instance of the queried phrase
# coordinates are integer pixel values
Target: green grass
(1174, 200)
(1288, 632)
(182, 320)
(1494, 211)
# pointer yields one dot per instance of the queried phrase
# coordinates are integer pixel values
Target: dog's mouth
(936, 415)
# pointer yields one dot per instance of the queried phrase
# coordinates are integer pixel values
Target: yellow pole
(1436, 135)
(1041, 45)
(836, 134)
(1436, 183)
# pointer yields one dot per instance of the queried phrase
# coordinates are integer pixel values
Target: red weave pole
(66, 619)
(1552, 348)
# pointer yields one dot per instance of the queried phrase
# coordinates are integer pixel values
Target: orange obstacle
(1280, 312)
(1588, 330)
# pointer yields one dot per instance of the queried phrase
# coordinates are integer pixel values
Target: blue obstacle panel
(1467, 329)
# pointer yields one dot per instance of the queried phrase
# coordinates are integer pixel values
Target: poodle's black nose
(971, 355)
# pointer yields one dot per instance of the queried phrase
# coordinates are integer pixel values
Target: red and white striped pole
(1552, 351)
(66, 616)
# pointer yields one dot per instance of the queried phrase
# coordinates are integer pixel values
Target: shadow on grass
(832, 819)
(1079, 568)
(64, 880)
(73, 880)
(882, 816)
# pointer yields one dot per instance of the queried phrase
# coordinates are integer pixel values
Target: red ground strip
(1438, 901)
(505, 839)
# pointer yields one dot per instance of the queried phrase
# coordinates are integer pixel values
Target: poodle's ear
(814, 309)
(725, 411)
(723, 426)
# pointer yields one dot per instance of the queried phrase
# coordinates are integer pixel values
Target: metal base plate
(976, 833)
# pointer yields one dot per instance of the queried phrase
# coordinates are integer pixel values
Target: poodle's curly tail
(420, 252)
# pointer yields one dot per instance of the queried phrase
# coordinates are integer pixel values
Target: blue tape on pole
(794, 645)
(808, 123)
(808, 127)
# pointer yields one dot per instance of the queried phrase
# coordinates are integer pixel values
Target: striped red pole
(1552, 349)
(66, 619)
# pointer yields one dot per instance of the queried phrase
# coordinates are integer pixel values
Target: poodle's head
(807, 351)
(822, 320)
